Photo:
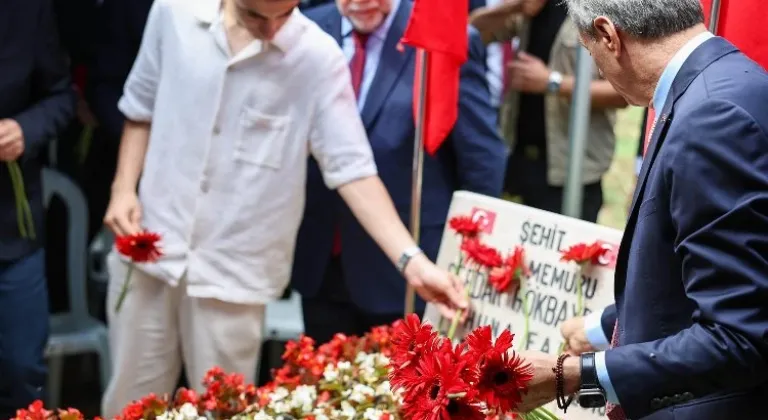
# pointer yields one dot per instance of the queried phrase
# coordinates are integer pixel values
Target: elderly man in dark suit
(348, 285)
(688, 336)
(36, 102)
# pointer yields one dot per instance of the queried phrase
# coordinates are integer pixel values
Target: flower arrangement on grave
(505, 274)
(398, 372)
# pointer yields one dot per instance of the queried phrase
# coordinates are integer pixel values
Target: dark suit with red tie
(361, 287)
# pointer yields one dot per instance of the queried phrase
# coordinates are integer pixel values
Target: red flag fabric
(744, 23)
(440, 28)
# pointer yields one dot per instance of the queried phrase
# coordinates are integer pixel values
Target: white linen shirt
(225, 171)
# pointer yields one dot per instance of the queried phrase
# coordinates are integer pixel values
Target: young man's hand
(124, 213)
(436, 285)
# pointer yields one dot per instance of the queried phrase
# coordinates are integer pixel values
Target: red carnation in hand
(512, 271)
(481, 253)
(582, 253)
(465, 226)
(141, 247)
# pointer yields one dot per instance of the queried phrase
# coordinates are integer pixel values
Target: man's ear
(607, 34)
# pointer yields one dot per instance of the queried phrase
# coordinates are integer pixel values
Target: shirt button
(204, 186)
(216, 130)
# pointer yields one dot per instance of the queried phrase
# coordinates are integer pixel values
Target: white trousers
(159, 327)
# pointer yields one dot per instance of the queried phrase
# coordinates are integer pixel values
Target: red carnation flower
(481, 254)
(465, 226)
(141, 247)
(582, 253)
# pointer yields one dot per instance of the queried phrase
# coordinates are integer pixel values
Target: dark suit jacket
(472, 158)
(121, 26)
(35, 91)
(692, 271)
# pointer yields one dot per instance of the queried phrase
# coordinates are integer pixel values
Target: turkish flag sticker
(608, 258)
(486, 218)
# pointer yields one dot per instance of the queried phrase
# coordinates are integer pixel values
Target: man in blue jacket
(36, 103)
(346, 282)
(688, 336)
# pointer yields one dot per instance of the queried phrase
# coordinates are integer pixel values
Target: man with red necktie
(344, 279)
(688, 330)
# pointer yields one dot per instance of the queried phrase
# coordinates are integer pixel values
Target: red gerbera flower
(511, 272)
(582, 253)
(411, 340)
(481, 253)
(440, 383)
(465, 226)
(141, 247)
(503, 380)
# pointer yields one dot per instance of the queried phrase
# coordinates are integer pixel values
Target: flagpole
(417, 168)
(714, 16)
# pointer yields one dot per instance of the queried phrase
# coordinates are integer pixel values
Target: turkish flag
(440, 28)
(745, 24)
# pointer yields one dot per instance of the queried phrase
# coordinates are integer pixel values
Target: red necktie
(614, 412)
(650, 124)
(356, 68)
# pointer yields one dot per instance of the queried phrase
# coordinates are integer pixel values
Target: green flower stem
(460, 312)
(441, 326)
(124, 290)
(23, 211)
(579, 291)
(16, 194)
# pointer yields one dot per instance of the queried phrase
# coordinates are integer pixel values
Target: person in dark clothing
(121, 26)
(36, 103)
(535, 114)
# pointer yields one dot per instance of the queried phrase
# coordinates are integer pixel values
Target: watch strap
(589, 371)
(406, 257)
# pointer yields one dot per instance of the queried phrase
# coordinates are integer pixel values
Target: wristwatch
(406, 257)
(555, 80)
(591, 394)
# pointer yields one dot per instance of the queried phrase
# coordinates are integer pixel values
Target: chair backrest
(57, 184)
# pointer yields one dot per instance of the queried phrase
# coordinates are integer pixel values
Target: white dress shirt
(224, 175)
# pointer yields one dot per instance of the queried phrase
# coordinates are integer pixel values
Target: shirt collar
(674, 66)
(380, 32)
(208, 12)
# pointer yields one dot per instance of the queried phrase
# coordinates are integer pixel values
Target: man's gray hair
(644, 19)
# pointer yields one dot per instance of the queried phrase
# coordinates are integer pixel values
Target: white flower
(383, 389)
(344, 366)
(188, 412)
(303, 397)
(373, 414)
(279, 394)
(347, 409)
(330, 374)
(360, 393)
(261, 415)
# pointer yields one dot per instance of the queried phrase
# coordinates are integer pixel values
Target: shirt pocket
(261, 139)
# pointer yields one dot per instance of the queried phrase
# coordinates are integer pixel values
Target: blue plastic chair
(76, 331)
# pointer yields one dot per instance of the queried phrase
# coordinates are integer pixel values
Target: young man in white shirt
(225, 103)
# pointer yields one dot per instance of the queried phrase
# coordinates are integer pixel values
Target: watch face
(591, 399)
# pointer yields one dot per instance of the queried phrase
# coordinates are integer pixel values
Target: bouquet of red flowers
(476, 379)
